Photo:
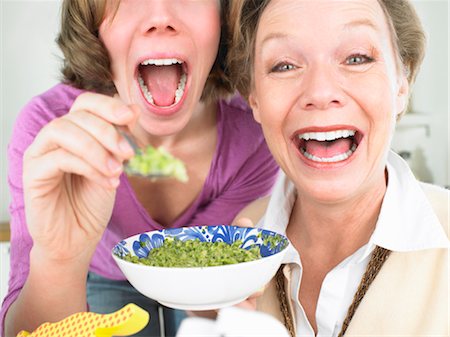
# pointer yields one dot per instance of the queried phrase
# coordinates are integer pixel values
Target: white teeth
(144, 89)
(161, 62)
(339, 157)
(331, 135)
(328, 136)
(178, 93)
(180, 90)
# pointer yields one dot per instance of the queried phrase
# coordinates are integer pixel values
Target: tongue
(162, 82)
(328, 149)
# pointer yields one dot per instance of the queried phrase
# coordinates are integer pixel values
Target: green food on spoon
(196, 253)
(157, 162)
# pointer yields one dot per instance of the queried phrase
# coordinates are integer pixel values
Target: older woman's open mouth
(328, 146)
(162, 81)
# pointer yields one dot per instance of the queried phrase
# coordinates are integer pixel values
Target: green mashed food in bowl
(157, 162)
(196, 253)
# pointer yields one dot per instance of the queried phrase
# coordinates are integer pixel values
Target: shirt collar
(276, 217)
(406, 221)
(280, 206)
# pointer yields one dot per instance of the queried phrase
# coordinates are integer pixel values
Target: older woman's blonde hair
(407, 35)
(86, 62)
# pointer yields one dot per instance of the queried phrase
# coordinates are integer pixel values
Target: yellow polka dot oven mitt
(124, 322)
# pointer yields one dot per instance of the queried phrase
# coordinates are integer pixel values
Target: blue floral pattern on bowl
(268, 242)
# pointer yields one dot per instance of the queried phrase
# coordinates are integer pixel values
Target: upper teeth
(161, 62)
(330, 135)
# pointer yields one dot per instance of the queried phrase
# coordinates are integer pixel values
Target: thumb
(243, 222)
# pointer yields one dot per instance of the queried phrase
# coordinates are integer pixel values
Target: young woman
(156, 68)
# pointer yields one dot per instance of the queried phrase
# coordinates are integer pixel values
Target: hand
(249, 304)
(243, 222)
(71, 172)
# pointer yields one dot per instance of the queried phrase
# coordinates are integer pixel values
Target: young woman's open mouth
(327, 146)
(162, 83)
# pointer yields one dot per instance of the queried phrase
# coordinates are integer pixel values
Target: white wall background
(30, 64)
(425, 131)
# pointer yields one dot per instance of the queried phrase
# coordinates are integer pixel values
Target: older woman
(328, 80)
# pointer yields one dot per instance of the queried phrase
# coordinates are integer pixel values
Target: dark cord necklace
(377, 259)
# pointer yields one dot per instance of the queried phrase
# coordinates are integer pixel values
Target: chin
(163, 126)
(329, 191)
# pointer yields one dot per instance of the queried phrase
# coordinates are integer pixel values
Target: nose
(160, 16)
(321, 88)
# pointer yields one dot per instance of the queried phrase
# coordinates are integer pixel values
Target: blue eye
(358, 59)
(282, 67)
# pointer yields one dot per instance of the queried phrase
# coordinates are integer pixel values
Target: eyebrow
(347, 26)
(274, 36)
(361, 22)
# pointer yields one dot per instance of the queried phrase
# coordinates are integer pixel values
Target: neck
(334, 232)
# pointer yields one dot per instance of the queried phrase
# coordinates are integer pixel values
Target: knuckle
(106, 130)
(79, 101)
(55, 126)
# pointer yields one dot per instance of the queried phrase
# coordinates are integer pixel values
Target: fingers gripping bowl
(202, 288)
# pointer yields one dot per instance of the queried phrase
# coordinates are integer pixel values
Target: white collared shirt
(406, 223)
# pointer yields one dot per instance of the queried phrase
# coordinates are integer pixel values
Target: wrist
(64, 268)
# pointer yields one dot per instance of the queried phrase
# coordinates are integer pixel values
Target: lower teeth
(178, 93)
(334, 159)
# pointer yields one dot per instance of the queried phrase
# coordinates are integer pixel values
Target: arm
(67, 197)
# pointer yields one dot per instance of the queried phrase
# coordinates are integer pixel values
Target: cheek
(274, 97)
(269, 110)
(206, 30)
(273, 118)
(117, 43)
(375, 97)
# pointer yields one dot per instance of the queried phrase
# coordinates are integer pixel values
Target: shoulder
(238, 128)
(236, 103)
(439, 199)
(237, 115)
(54, 102)
(241, 139)
(40, 110)
(51, 104)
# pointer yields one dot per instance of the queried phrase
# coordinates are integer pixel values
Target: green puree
(157, 161)
(195, 253)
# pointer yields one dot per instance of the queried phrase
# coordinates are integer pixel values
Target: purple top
(242, 170)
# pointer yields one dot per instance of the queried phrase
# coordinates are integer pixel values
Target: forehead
(302, 16)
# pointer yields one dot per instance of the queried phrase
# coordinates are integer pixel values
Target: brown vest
(409, 296)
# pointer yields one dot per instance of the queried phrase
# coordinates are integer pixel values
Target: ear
(253, 100)
(402, 94)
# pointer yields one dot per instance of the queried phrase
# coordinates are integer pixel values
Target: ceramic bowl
(202, 288)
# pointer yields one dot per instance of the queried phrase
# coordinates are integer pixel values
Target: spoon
(137, 151)
(129, 138)
(152, 174)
